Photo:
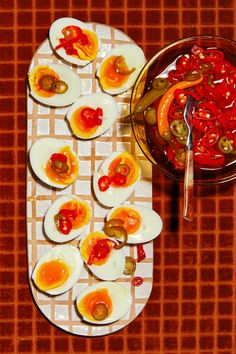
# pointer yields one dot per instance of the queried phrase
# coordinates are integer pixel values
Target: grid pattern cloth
(192, 307)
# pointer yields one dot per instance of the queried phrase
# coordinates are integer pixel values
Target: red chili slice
(204, 159)
(176, 112)
(69, 213)
(91, 117)
(141, 255)
(213, 55)
(228, 119)
(137, 281)
(210, 138)
(101, 249)
(58, 157)
(118, 179)
(104, 183)
(181, 97)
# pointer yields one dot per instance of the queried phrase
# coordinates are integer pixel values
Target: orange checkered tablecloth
(192, 307)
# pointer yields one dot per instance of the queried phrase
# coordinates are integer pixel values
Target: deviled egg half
(101, 256)
(104, 302)
(141, 224)
(120, 68)
(73, 41)
(92, 115)
(116, 178)
(67, 218)
(54, 85)
(54, 162)
(58, 270)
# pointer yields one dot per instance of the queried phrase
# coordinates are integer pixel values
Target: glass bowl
(154, 67)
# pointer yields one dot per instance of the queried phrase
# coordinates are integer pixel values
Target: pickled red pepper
(165, 103)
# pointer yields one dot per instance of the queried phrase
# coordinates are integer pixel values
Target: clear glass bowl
(152, 69)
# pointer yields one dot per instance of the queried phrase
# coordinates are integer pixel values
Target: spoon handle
(188, 187)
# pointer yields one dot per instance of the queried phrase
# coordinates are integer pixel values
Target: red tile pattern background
(192, 308)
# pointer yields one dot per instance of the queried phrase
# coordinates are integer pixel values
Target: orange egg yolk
(35, 76)
(130, 217)
(52, 274)
(89, 245)
(80, 210)
(128, 160)
(89, 301)
(72, 172)
(78, 125)
(109, 77)
(89, 51)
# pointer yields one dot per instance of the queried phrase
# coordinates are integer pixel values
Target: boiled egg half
(116, 178)
(66, 218)
(142, 224)
(120, 68)
(54, 85)
(58, 269)
(73, 41)
(54, 162)
(92, 115)
(101, 256)
(104, 302)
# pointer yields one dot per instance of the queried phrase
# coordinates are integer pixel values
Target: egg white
(112, 269)
(120, 296)
(67, 254)
(134, 58)
(94, 100)
(55, 32)
(151, 224)
(49, 224)
(63, 99)
(40, 153)
(112, 196)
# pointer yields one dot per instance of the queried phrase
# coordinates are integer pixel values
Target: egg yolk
(109, 77)
(35, 76)
(79, 126)
(130, 217)
(88, 302)
(72, 172)
(89, 247)
(128, 160)
(81, 212)
(52, 274)
(90, 50)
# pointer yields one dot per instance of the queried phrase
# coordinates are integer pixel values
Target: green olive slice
(123, 169)
(100, 311)
(59, 86)
(46, 82)
(121, 66)
(130, 265)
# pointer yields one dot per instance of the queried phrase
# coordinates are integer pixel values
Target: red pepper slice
(141, 255)
(104, 183)
(58, 157)
(70, 214)
(213, 55)
(92, 117)
(181, 97)
(64, 225)
(176, 112)
(137, 281)
(118, 179)
(206, 111)
(223, 67)
(210, 138)
(101, 249)
(204, 159)
(228, 119)
(176, 75)
(197, 92)
(186, 63)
